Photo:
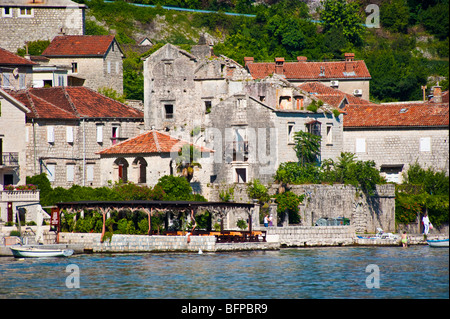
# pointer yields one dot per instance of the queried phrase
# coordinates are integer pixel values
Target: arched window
(140, 164)
(122, 166)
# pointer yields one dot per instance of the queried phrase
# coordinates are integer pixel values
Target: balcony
(19, 196)
(9, 159)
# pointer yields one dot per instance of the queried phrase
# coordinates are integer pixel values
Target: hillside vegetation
(408, 50)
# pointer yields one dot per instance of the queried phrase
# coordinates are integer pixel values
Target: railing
(9, 159)
(19, 196)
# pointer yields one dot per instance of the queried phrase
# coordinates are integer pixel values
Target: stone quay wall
(301, 236)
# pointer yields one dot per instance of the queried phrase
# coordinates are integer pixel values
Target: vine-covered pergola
(219, 209)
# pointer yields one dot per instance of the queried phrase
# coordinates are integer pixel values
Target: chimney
(302, 59)
(248, 60)
(279, 64)
(349, 58)
(437, 94)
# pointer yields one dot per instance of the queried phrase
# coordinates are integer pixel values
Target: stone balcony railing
(19, 196)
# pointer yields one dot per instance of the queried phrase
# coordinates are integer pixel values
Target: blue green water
(414, 272)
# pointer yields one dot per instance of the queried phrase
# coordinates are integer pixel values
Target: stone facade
(23, 21)
(73, 162)
(95, 72)
(394, 150)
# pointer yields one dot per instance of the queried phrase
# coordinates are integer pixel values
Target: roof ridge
(27, 94)
(69, 99)
(155, 138)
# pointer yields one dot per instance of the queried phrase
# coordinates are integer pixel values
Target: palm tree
(187, 160)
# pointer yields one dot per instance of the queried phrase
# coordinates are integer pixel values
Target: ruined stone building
(93, 61)
(65, 129)
(250, 123)
(22, 21)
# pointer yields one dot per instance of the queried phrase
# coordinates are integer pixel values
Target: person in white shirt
(426, 224)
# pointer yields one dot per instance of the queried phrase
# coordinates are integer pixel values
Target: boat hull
(20, 252)
(438, 243)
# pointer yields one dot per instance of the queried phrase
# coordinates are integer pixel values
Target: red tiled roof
(78, 45)
(10, 58)
(311, 70)
(397, 115)
(148, 143)
(330, 95)
(72, 102)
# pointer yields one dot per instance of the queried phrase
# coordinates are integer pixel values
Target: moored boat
(32, 252)
(438, 243)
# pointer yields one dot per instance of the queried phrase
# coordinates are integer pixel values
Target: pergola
(220, 209)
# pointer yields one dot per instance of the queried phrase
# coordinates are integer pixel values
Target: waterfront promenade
(276, 238)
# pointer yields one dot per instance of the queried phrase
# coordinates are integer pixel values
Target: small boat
(32, 252)
(438, 243)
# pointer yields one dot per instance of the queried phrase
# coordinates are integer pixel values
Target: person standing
(270, 220)
(426, 225)
(266, 221)
(404, 239)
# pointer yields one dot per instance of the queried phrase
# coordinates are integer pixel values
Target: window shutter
(50, 134)
(360, 145)
(70, 172)
(99, 134)
(69, 134)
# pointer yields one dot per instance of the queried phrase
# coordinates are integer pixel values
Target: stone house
(216, 100)
(13, 157)
(22, 21)
(15, 72)
(94, 61)
(147, 157)
(350, 76)
(67, 126)
(396, 135)
(181, 88)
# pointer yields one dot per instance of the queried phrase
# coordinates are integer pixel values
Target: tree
(307, 147)
(339, 14)
(394, 15)
(175, 187)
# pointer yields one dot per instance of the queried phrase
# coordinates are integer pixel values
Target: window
(314, 128)
(70, 169)
(360, 145)
(90, 172)
(115, 134)
(207, 107)
(69, 134)
(240, 145)
(74, 67)
(117, 67)
(51, 134)
(168, 68)
(298, 102)
(7, 13)
(168, 109)
(241, 175)
(60, 80)
(51, 172)
(290, 133)
(26, 13)
(99, 133)
(108, 67)
(425, 144)
(329, 135)
(22, 81)
(5, 80)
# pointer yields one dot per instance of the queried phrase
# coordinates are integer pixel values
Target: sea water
(303, 273)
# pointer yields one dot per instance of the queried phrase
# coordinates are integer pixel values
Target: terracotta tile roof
(148, 143)
(397, 115)
(329, 95)
(72, 102)
(78, 45)
(311, 70)
(10, 58)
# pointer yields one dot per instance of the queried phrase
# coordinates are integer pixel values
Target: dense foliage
(423, 190)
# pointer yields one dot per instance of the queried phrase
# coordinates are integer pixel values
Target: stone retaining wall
(294, 236)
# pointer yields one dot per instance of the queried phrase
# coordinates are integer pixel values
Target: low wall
(138, 243)
(299, 236)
